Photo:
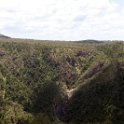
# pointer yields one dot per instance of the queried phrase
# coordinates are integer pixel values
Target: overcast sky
(63, 19)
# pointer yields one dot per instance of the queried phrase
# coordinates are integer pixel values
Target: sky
(63, 19)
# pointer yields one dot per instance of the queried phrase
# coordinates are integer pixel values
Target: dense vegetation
(43, 82)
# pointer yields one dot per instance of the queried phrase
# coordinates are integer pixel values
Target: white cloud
(62, 19)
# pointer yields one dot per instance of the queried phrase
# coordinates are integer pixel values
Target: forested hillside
(50, 82)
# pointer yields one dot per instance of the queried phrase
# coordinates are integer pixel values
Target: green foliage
(35, 77)
(12, 113)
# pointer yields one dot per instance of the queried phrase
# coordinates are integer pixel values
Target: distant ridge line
(4, 36)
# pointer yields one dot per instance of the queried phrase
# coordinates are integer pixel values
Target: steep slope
(45, 82)
(100, 99)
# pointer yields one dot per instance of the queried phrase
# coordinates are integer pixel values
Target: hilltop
(4, 36)
(50, 82)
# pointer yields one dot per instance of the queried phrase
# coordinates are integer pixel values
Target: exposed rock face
(70, 92)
